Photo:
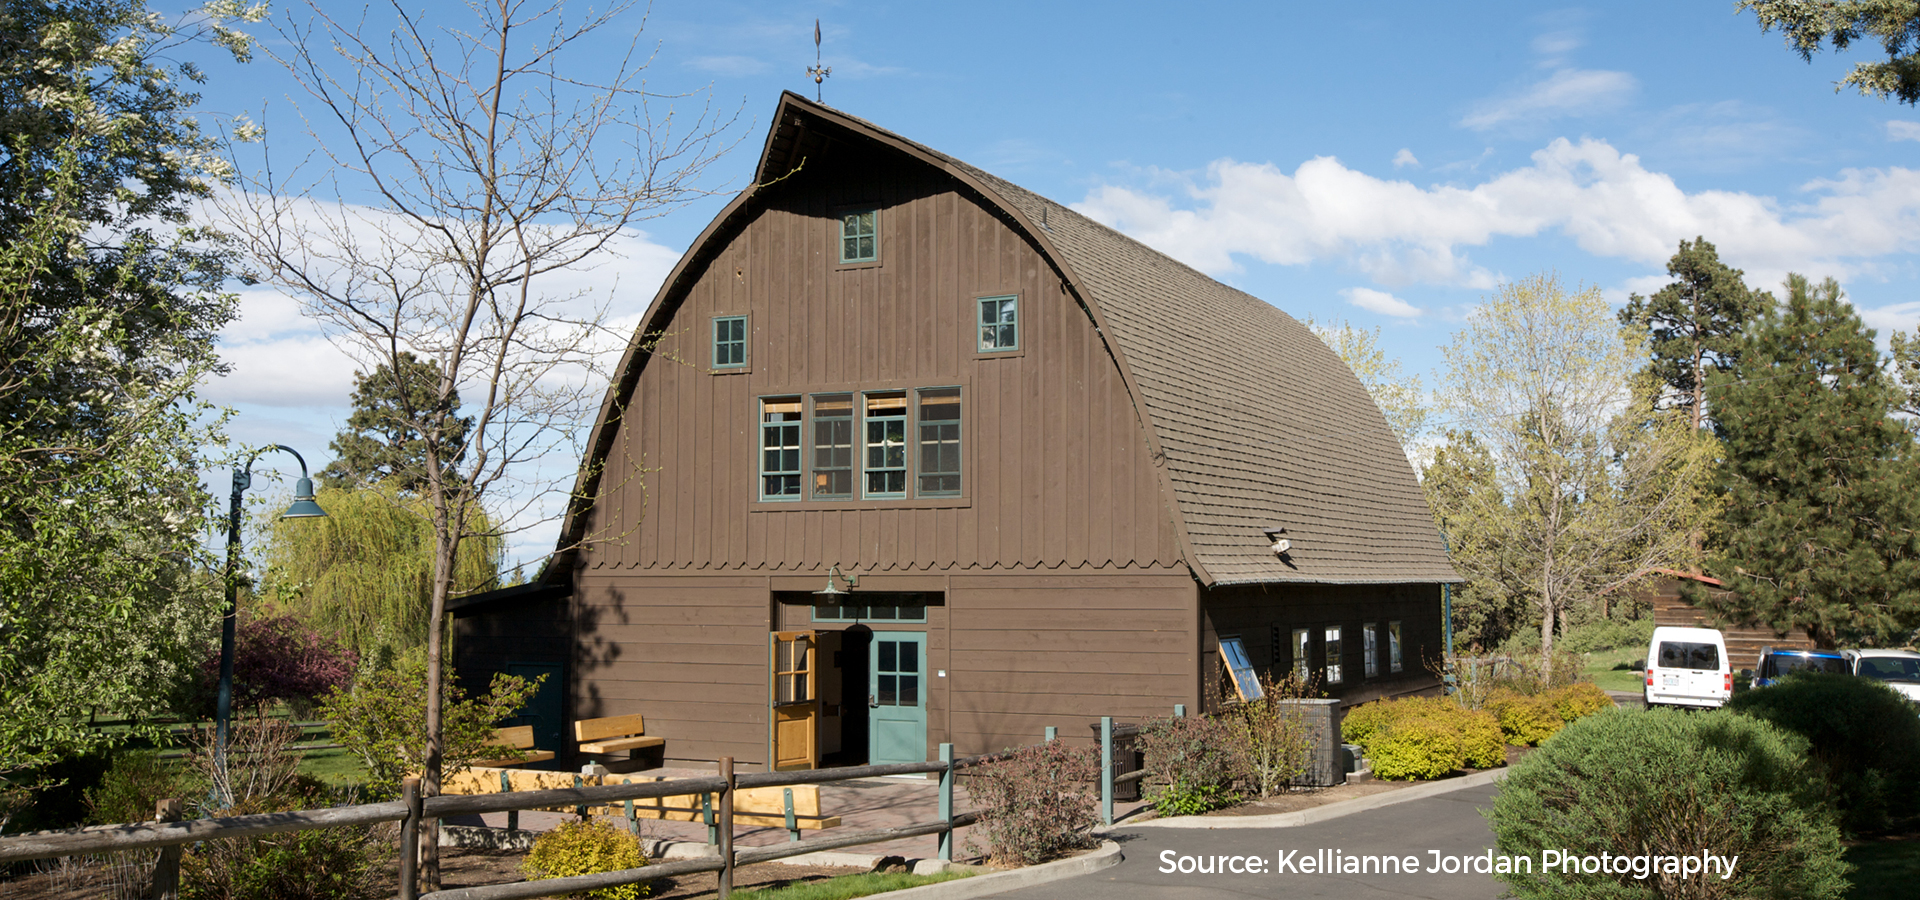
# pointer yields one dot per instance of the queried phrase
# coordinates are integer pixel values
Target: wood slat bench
(614, 734)
(520, 739)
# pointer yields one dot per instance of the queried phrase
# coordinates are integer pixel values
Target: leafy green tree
(1399, 396)
(364, 574)
(1694, 323)
(1894, 23)
(382, 719)
(109, 301)
(1592, 488)
(383, 442)
(1822, 522)
(1462, 491)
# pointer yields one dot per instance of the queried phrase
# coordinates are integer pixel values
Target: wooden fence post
(726, 828)
(946, 802)
(166, 872)
(410, 839)
(1106, 770)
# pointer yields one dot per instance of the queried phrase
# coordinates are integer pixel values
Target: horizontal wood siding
(1744, 639)
(485, 640)
(1253, 612)
(1056, 467)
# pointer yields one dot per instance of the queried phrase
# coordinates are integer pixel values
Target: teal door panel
(897, 720)
(544, 707)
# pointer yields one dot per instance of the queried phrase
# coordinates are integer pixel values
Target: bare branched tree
(497, 167)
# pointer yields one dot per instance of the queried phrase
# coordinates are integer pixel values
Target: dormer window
(860, 236)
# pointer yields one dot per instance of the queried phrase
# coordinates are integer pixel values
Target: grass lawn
(333, 766)
(1609, 669)
(1884, 868)
(848, 886)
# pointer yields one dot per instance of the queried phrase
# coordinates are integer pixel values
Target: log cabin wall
(1744, 639)
(1264, 617)
(675, 587)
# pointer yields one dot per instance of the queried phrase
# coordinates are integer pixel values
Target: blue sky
(1387, 164)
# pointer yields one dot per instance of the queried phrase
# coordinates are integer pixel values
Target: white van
(1688, 667)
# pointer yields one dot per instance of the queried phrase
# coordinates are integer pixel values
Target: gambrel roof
(1252, 421)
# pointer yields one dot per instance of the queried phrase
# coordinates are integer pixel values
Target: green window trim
(780, 448)
(729, 342)
(860, 236)
(833, 453)
(938, 455)
(999, 321)
(884, 466)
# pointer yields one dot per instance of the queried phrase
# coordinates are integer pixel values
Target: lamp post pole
(303, 507)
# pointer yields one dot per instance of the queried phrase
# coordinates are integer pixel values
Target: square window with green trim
(729, 342)
(999, 324)
(860, 236)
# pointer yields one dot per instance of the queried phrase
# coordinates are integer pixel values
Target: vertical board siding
(1054, 457)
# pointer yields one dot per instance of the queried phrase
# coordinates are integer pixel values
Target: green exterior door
(544, 707)
(897, 721)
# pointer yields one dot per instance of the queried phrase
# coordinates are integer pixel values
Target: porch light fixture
(1280, 544)
(831, 591)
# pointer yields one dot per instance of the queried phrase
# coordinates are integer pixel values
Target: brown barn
(1744, 639)
(1046, 457)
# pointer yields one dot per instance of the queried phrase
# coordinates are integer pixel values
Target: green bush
(1359, 724)
(131, 790)
(1863, 736)
(1605, 634)
(1525, 719)
(1424, 737)
(1482, 744)
(1416, 747)
(1198, 759)
(1671, 783)
(322, 864)
(1577, 701)
(587, 847)
(1037, 802)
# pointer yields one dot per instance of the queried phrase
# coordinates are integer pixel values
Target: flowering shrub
(587, 847)
(279, 658)
(1037, 802)
(1199, 759)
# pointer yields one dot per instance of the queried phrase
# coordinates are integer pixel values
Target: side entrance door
(897, 724)
(795, 712)
(544, 707)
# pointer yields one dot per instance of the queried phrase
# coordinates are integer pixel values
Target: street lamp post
(303, 507)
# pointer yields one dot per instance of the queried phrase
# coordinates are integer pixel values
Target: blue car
(1777, 662)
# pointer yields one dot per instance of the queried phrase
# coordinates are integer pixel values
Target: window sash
(939, 451)
(1303, 653)
(833, 447)
(999, 321)
(780, 449)
(1333, 654)
(859, 236)
(1370, 642)
(885, 429)
(729, 342)
(1393, 646)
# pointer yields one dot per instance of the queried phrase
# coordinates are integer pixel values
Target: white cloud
(730, 65)
(1381, 302)
(1903, 130)
(1893, 317)
(1405, 158)
(1567, 92)
(1605, 201)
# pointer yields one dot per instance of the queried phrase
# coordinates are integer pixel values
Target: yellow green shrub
(1416, 747)
(1360, 723)
(1525, 719)
(1579, 700)
(1482, 744)
(587, 847)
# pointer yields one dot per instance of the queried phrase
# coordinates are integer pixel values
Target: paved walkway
(1449, 823)
(862, 805)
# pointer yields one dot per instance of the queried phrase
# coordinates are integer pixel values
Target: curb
(1107, 856)
(1320, 813)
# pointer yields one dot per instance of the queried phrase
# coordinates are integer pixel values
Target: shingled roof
(1256, 423)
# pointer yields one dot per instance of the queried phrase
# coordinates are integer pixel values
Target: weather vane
(818, 71)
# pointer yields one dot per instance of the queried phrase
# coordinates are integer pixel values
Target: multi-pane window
(1393, 646)
(833, 447)
(729, 342)
(780, 448)
(940, 442)
(1333, 654)
(1302, 653)
(859, 236)
(886, 444)
(1370, 642)
(878, 612)
(999, 323)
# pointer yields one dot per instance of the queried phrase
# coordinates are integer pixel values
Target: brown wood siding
(1055, 463)
(1253, 611)
(485, 641)
(1744, 640)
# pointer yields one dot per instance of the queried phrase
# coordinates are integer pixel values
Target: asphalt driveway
(1449, 823)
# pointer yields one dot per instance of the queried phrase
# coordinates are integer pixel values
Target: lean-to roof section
(1253, 421)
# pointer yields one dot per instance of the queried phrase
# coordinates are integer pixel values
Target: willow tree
(1593, 486)
(365, 573)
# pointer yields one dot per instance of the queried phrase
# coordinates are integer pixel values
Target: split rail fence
(169, 834)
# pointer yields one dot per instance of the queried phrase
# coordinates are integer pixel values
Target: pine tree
(382, 443)
(1694, 324)
(1821, 511)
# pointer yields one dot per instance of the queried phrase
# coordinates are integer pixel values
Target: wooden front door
(795, 704)
(897, 724)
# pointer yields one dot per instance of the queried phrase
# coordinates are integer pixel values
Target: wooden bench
(520, 739)
(614, 734)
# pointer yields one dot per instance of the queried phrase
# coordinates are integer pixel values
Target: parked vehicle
(1900, 669)
(1688, 667)
(1776, 662)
